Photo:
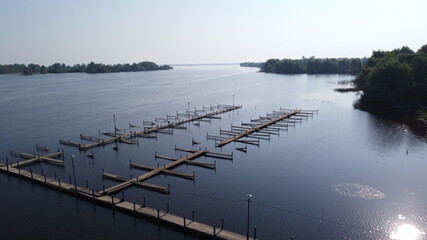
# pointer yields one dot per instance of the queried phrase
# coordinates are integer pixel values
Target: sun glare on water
(406, 232)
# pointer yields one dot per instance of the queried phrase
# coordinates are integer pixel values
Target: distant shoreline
(81, 68)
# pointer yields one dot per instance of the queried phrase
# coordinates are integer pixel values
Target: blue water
(293, 177)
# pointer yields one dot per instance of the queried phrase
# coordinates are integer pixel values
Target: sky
(202, 31)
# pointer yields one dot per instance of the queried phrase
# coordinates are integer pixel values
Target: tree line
(394, 79)
(253, 64)
(87, 68)
(314, 66)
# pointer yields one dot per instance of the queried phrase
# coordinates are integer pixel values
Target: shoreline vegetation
(394, 83)
(86, 68)
(310, 65)
(391, 84)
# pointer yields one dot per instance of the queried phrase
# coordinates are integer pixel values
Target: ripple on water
(356, 190)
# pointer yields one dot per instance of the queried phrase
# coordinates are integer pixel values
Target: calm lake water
(342, 174)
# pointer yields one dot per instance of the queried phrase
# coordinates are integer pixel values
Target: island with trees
(83, 68)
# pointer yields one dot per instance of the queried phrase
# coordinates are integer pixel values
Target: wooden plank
(167, 172)
(153, 173)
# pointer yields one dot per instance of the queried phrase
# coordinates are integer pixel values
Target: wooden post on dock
(115, 129)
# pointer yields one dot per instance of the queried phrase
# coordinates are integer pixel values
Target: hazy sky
(204, 31)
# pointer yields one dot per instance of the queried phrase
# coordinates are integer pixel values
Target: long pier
(147, 131)
(119, 204)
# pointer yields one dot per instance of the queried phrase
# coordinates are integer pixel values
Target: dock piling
(192, 215)
(254, 232)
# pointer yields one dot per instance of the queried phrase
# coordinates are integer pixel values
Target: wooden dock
(164, 169)
(138, 210)
(262, 127)
(165, 128)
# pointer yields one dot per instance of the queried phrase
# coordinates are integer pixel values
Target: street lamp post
(248, 196)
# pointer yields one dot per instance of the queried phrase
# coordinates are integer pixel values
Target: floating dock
(101, 198)
(261, 128)
(165, 128)
(248, 133)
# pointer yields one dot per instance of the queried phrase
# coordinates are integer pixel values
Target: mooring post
(134, 209)
(248, 196)
(184, 223)
(112, 201)
(93, 195)
(69, 177)
(158, 215)
(44, 178)
(214, 231)
(123, 195)
(192, 215)
(19, 169)
(103, 188)
(167, 208)
(222, 223)
(31, 173)
(144, 202)
(59, 181)
(55, 175)
(42, 171)
(254, 232)
(87, 183)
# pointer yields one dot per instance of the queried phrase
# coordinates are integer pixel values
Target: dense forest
(89, 68)
(314, 65)
(394, 80)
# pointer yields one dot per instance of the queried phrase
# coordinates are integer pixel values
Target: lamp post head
(72, 156)
(248, 196)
